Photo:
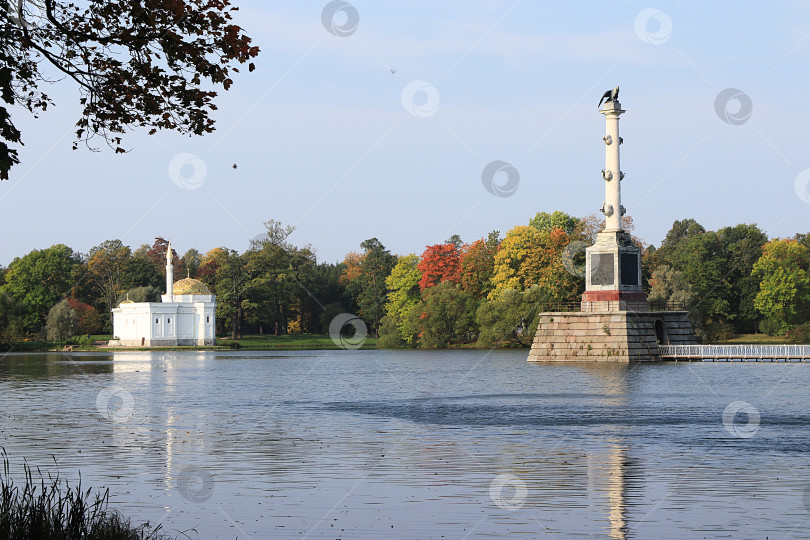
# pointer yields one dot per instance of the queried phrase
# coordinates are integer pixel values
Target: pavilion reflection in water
(155, 423)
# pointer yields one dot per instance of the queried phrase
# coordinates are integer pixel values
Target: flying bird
(609, 95)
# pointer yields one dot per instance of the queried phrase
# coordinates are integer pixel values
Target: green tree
(277, 271)
(784, 290)
(511, 318)
(403, 296)
(142, 294)
(742, 248)
(324, 289)
(803, 239)
(330, 311)
(232, 281)
(192, 260)
(105, 267)
(364, 278)
(37, 281)
(8, 316)
(136, 64)
(446, 316)
(543, 221)
(456, 241)
(669, 286)
(680, 232)
(62, 322)
(717, 266)
(141, 272)
(701, 258)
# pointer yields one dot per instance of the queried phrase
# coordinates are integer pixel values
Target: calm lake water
(420, 444)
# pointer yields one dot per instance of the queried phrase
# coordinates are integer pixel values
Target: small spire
(188, 273)
(169, 253)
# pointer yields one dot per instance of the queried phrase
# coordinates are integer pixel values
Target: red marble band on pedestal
(614, 296)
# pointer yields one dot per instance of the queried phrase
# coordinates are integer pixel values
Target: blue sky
(324, 140)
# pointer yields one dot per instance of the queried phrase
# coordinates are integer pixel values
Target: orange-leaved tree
(478, 265)
(439, 262)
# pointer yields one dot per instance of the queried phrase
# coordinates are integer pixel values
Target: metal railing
(733, 352)
(556, 307)
(667, 306)
(577, 306)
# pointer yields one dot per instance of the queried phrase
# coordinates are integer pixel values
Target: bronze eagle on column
(609, 95)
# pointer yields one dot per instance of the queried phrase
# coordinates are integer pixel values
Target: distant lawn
(252, 341)
(754, 339)
(301, 342)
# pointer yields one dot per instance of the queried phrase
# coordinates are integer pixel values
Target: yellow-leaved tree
(528, 256)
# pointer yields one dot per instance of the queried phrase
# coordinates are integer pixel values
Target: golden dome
(127, 301)
(190, 286)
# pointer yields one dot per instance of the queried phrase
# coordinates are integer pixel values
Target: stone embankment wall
(618, 336)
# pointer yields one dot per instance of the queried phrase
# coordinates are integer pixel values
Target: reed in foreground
(49, 507)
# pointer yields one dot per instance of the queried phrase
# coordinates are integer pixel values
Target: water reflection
(51, 364)
(414, 440)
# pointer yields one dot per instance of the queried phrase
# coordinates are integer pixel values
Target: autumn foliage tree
(440, 262)
(88, 319)
(153, 64)
(477, 263)
(528, 256)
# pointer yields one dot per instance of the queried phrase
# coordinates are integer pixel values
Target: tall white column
(169, 271)
(612, 207)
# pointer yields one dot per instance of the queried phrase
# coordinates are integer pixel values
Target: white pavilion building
(186, 315)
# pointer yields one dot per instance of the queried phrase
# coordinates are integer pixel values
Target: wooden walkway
(736, 353)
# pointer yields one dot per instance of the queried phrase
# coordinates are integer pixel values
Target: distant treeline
(488, 291)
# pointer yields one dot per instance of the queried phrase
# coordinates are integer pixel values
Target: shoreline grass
(49, 507)
(315, 342)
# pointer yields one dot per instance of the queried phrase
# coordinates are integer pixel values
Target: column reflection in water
(612, 471)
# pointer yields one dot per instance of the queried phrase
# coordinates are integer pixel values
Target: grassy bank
(294, 342)
(266, 342)
(755, 339)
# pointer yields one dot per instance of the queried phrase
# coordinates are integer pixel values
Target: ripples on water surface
(420, 444)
